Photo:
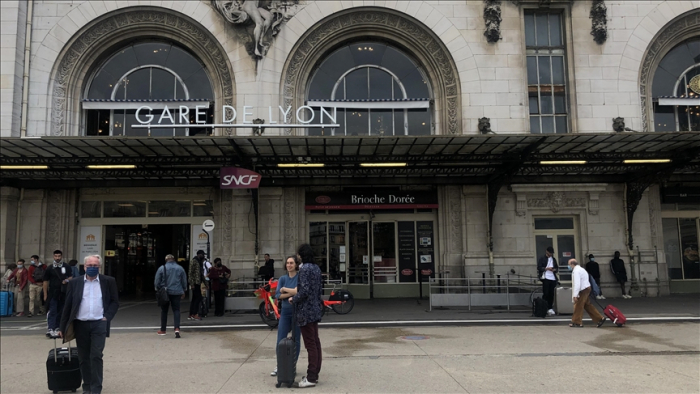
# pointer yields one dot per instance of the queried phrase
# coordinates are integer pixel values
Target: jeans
(219, 299)
(548, 287)
(285, 326)
(175, 303)
(313, 348)
(55, 310)
(90, 340)
(195, 301)
(584, 302)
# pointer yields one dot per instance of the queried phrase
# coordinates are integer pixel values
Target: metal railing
(509, 290)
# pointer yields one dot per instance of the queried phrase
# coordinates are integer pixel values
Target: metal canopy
(431, 159)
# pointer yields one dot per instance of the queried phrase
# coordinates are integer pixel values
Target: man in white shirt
(580, 293)
(547, 269)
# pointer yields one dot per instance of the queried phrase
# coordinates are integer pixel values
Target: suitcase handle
(55, 351)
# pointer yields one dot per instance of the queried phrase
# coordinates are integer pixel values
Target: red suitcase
(615, 315)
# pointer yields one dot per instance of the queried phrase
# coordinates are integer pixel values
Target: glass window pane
(121, 63)
(554, 30)
(381, 121)
(379, 84)
(138, 84)
(559, 101)
(532, 70)
(357, 122)
(558, 70)
(162, 84)
(336, 240)
(101, 87)
(541, 24)
(318, 241)
(120, 93)
(118, 122)
(169, 208)
(131, 120)
(534, 107)
(179, 91)
(544, 69)
(689, 248)
(315, 131)
(561, 124)
(199, 86)
(672, 248)
(400, 123)
(546, 106)
(664, 118)
(202, 208)
(397, 63)
(529, 29)
(547, 124)
(124, 209)
(416, 85)
(418, 122)
(182, 63)
(338, 63)
(384, 248)
(535, 124)
(554, 223)
(321, 86)
(90, 209)
(356, 85)
(148, 53)
(367, 53)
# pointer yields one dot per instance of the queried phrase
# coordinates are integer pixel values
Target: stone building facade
(469, 78)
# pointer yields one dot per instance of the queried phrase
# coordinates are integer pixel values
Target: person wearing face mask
(580, 296)
(36, 283)
(219, 275)
(56, 279)
(287, 288)
(20, 277)
(92, 301)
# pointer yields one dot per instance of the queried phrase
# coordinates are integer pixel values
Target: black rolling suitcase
(63, 369)
(286, 366)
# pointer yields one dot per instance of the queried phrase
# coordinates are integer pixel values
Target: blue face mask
(92, 271)
(570, 269)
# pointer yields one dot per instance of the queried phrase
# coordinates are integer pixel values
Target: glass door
(561, 235)
(358, 254)
(384, 252)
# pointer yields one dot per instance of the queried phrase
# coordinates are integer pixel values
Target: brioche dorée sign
(238, 178)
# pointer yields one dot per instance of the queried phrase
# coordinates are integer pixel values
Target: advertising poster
(199, 241)
(407, 252)
(90, 241)
(426, 251)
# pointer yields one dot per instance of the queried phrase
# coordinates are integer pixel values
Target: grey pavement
(639, 358)
(144, 315)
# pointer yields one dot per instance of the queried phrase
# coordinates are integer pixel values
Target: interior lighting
(300, 165)
(564, 162)
(112, 167)
(24, 167)
(645, 161)
(383, 164)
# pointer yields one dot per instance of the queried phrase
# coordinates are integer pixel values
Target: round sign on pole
(208, 225)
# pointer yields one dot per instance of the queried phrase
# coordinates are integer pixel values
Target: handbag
(162, 293)
(223, 280)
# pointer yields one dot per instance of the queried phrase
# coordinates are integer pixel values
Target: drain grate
(414, 337)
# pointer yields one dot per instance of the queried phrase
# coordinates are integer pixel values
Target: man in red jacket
(19, 277)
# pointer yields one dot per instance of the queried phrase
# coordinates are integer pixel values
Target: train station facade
(404, 140)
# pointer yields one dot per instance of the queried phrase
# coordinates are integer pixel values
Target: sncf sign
(238, 178)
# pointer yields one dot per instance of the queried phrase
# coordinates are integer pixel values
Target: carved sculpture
(492, 19)
(619, 124)
(259, 21)
(485, 126)
(599, 21)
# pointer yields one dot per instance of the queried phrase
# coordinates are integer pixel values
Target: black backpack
(539, 307)
(38, 274)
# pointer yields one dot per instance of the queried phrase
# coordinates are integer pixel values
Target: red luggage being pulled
(615, 315)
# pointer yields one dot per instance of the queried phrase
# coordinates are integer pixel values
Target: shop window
(676, 88)
(169, 208)
(681, 247)
(554, 223)
(202, 208)
(546, 72)
(124, 209)
(377, 90)
(90, 209)
(155, 74)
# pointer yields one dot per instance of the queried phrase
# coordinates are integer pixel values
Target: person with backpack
(171, 276)
(36, 284)
(580, 296)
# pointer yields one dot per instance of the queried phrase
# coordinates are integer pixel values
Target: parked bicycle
(340, 301)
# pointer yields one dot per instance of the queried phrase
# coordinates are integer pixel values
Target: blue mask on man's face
(92, 271)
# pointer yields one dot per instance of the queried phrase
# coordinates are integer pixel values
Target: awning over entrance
(160, 161)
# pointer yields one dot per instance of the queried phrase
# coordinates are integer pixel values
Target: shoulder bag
(162, 293)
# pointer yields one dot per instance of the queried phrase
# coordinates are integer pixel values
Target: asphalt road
(639, 358)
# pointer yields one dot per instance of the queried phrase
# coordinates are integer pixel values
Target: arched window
(376, 88)
(156, 74)
(676, 88)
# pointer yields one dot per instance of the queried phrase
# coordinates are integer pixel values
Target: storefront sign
(689, 195)
(407, 251)
(90, 241)
(180, 115)
(238, 178)
(372, 199)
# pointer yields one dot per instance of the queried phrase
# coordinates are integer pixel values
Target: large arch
(677, 30)
(373, 22)
(104, 34)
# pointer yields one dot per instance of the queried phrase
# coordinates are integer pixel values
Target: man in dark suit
(547, 269)
(92, 300)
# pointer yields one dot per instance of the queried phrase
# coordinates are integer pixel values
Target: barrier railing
(508, 291)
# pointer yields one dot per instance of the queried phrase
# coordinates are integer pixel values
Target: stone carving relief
(386, 24)
(455, 222)
(105, 31)
(256, 22)
(54, 220)
(492, 20)
(663, 42)
(599, 21)
(555, 201)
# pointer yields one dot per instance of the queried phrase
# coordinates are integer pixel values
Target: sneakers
(21, 314)
(600, 323)
(49, 333)
(598, 297)
(602, 297)
(274, 373)
(52, 334)
(551, 312)
(30, 314)
(161, 332)
(177, 333)
(194, 317)
(305, 383)
(626, 296)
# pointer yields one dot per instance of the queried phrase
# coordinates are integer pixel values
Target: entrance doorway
(372, 257)
(133, 253)
(561, 234)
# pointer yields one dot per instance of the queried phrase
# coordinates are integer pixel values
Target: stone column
(9, 200)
